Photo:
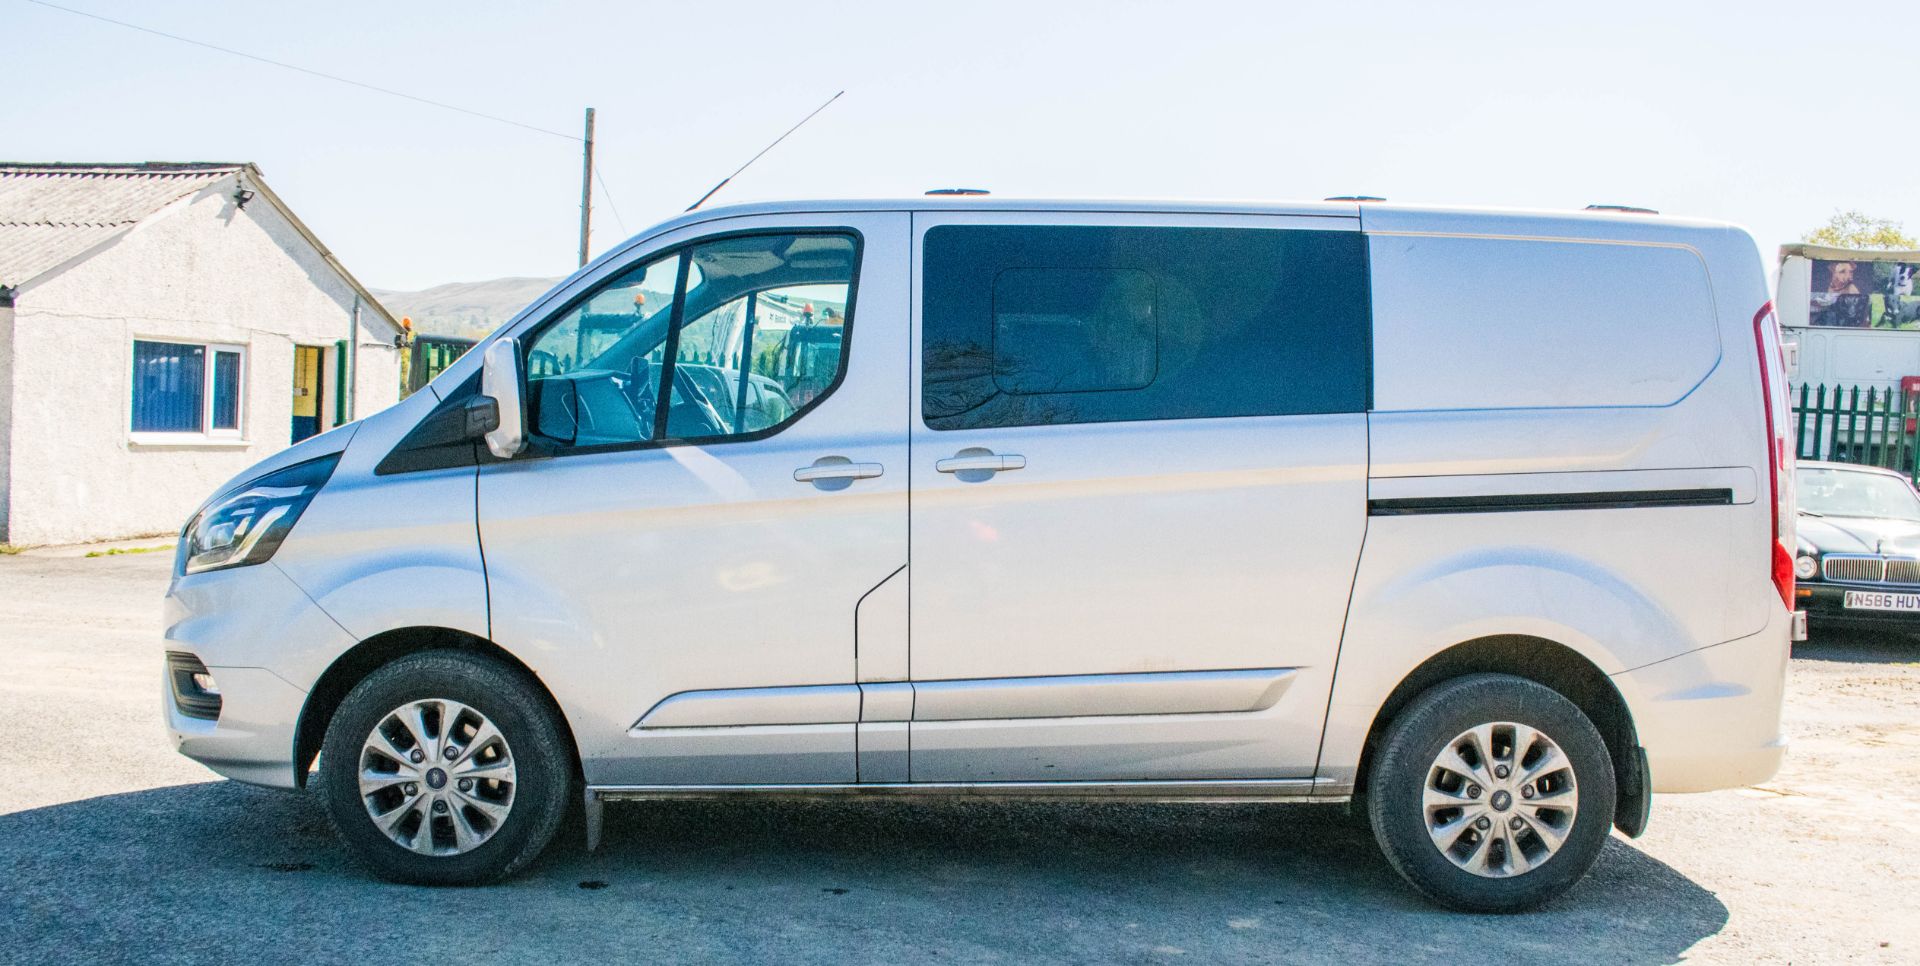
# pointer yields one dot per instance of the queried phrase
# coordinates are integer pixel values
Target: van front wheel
(1491, 793)
(445, 768)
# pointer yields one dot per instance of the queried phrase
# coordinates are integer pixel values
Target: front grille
(187, 696)
(1863, 568)
(1901, 570)
(1858, 569)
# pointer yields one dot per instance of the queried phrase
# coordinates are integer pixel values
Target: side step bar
(1217, 791)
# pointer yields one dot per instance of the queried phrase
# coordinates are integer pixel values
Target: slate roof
(51, 212)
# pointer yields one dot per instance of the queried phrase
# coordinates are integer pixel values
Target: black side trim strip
(1522, 502)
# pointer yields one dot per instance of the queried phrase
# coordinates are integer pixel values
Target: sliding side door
(1138, 455)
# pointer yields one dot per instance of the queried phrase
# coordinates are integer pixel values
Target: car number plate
(1874, 600)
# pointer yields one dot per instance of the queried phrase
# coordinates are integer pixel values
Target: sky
(1763, 114)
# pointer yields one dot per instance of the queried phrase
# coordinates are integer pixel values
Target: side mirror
(502, 381)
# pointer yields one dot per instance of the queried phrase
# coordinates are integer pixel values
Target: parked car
(1477, 521)
(1859, 546)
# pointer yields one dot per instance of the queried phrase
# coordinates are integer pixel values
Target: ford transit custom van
(1476, 521)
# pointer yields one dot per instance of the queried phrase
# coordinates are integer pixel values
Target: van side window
(1074, 330)
(1040, 324)
(738, 336)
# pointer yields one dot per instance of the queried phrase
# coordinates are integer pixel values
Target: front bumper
(1710, 719)
(1825, 604)
(252, 740)
(250, 626)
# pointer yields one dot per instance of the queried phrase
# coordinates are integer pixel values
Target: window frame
(547, 447)
(207, 433)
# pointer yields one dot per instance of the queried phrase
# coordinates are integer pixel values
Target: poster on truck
(1862, 294)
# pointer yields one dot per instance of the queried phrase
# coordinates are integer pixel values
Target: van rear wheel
(445, 768)
(1491, 793)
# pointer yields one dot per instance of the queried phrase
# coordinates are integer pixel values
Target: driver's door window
(592, 378)
(760, 357)
(763, 323)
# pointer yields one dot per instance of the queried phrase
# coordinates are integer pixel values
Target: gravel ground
(113, 848)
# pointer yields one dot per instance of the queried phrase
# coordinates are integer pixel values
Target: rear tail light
(1766, 340)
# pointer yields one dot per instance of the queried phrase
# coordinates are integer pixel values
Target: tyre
(446, 768)
(1491, 793)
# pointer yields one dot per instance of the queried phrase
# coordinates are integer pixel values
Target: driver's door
(715, 477)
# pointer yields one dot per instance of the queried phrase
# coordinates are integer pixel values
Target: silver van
(1478, 521)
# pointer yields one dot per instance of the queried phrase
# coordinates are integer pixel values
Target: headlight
(247, 524)
(1805, 568)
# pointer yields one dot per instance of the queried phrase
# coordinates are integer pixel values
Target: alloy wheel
(437, 777)
(1500, 799)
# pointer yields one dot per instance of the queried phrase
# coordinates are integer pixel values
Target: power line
(311, 72)
(608, 194)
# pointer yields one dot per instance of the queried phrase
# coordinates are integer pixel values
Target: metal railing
(428, 356)
(1851, 424)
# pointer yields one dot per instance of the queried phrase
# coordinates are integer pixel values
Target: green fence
(428, 357)
(1849, 424)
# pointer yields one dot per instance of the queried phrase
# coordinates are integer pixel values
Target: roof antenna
(776, 141)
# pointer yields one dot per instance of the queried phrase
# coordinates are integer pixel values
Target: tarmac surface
(115, 849)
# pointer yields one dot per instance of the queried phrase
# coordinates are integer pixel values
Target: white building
(162, 326)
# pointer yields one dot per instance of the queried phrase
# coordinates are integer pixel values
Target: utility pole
(586, 189)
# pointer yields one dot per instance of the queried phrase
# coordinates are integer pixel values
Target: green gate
(1849, 424)
(428, 356)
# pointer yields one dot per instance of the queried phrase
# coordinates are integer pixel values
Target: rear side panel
(1567, 444)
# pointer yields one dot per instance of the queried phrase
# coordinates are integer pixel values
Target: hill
(467, 310)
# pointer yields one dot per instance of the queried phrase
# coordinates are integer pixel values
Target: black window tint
(1036, 325)
(1073, 330)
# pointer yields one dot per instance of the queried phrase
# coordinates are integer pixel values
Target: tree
(1853, 229)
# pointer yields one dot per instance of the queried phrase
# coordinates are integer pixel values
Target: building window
(187, 389)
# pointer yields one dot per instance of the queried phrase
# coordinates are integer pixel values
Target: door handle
(828, 469)
(978, 463)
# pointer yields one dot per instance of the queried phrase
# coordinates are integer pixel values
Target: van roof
(1372, 215)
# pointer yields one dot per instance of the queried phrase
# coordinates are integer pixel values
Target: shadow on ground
(1859, 646)
(219, 870)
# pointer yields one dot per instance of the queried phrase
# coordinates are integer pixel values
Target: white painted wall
(199, 270)
(6, 412)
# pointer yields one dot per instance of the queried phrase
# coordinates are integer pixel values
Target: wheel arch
(353, 666)
(1548, 663)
